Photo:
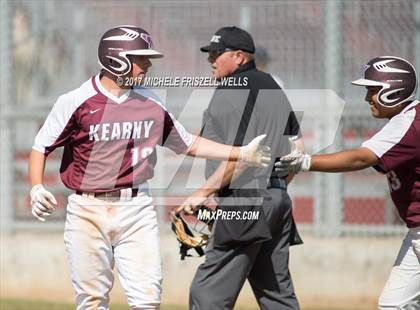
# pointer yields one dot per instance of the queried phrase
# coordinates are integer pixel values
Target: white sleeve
(57, 128)
(390, 134)
(397, 142)
(61, 122)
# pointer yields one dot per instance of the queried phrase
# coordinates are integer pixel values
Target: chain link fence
(48, 48)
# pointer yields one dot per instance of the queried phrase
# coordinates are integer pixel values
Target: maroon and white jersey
(397, 146)
(109, 142)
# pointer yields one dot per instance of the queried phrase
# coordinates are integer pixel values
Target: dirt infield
(344, 273)
(19, 304)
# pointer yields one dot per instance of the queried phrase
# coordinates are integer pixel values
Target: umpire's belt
(124, 194)
(277, 183)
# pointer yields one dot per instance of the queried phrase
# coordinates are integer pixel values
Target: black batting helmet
(396, 77)
(121, 41)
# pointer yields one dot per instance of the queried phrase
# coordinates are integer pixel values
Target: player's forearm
(224, 175)
(209, 149)
(290, 178)
(36, 167)
(350, 160)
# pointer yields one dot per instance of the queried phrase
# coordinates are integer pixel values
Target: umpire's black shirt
(251, 105)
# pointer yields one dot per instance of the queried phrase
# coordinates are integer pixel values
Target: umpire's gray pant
(219, 279)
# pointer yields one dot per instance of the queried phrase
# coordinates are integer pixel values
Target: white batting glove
(293, 162)
(255, 153)
(42, 201)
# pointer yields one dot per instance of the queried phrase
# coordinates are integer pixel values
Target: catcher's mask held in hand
(189, 236)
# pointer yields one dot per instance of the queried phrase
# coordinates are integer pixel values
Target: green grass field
(19, 304)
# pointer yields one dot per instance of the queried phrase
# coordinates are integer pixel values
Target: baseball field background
(350, 228)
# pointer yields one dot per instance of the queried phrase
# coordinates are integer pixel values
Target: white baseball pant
(402, 290)
(100, 232)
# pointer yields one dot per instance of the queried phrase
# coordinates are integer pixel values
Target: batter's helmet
(121, 41)
(396, 77)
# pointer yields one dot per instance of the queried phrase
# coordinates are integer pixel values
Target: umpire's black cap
(230, 38)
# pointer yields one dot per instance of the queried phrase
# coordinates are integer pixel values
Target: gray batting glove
(293, 162)
(42, 201)
(255, 153)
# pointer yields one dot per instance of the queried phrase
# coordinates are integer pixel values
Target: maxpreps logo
(207, 215)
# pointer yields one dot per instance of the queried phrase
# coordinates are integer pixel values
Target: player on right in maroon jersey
(391, 85)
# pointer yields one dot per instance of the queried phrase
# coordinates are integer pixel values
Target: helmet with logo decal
(396, 77)
(121, 41)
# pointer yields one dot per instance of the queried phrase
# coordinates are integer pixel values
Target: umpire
(246, 103)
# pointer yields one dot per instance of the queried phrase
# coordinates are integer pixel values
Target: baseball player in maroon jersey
(391, 84)
(109, 133)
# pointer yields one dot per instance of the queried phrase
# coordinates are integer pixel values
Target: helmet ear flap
(118, 66)
(380, 93)
(129, 64)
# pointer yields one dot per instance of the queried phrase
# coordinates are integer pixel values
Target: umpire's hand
(42, 201)
(192, 203)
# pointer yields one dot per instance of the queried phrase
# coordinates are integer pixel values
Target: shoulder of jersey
(78, 96)
(150, 95)
(410, 114)
(410, 109)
